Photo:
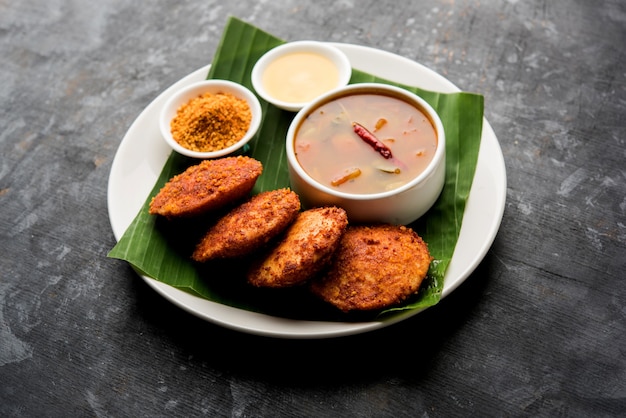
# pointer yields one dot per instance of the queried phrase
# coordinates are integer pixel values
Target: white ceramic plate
(142, 154)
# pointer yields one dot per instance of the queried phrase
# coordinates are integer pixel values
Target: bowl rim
(398, 92)
(338, 57)
(177, 99)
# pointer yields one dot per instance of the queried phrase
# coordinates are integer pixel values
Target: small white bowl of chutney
(292, 75)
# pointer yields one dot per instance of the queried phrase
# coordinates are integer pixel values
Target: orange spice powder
(211, 122)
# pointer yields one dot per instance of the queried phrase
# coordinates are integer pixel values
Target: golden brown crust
(206, 186)
(249, 226)
(305, 249)
(374, 267)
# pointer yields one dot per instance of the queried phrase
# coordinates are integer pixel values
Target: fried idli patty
(207, 186)
(303, 251)
(374, 267)
(249, 226)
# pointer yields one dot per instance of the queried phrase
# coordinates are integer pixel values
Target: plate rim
(256, 323)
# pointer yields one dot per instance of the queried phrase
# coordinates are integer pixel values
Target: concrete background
(537, 330)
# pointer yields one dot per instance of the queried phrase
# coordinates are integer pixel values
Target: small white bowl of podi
(210, 118)
(292, 75)
(376, 150)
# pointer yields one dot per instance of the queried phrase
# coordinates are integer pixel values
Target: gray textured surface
(538, 330)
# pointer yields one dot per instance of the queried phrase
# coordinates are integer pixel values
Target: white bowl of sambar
(376, 150)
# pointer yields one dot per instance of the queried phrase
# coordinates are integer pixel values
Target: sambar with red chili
(365, 143)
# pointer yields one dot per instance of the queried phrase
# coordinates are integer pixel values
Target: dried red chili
(371, 139)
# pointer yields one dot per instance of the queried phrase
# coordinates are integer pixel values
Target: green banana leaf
(160, 249)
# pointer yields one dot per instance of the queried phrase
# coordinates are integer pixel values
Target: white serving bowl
(337, 58)
(212, 87)
(399, 206)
